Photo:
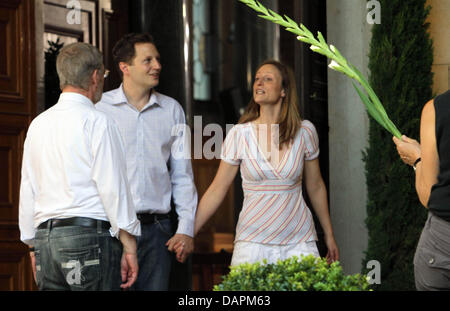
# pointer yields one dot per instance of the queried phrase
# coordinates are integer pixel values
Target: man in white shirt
(74, 196)
(146, 120)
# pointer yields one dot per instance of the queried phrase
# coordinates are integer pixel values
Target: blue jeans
(153, 257)
(77, 258)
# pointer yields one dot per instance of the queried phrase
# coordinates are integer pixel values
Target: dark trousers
(153, 257)
(77, 258)
(432, 258)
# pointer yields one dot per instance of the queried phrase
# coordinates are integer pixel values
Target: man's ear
(94, 78)
(123, 67)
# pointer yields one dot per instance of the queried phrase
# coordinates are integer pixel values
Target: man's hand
(129, 264)
(182, 245)
(128, 269)
(33, 265)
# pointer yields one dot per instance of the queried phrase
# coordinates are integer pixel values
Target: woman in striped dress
(276, 151)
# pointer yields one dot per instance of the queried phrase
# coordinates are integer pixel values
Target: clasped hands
(182, 245)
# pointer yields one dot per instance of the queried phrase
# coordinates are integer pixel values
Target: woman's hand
(333, 251)
(408, 149)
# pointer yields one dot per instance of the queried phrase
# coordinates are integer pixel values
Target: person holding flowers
(275, 222)
(431, 162)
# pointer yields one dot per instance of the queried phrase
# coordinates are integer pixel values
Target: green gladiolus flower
(338, 62)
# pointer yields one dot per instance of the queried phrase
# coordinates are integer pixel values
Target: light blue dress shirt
(155, 175)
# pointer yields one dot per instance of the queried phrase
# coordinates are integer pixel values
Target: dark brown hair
(124, 50)
(289, 120)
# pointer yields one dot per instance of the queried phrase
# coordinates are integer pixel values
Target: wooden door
(17, 108)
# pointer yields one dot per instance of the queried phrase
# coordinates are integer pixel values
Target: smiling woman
(274, 100)
(275, 222)
(267, 87)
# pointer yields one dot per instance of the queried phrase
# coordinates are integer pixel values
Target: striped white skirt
(250, 252)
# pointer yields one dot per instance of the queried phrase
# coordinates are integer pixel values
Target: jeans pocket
(81, 266)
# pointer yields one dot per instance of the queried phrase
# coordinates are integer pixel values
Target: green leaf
(294, 31)
(370, 108)
(268, 17)
(321, 39)
(292, 22)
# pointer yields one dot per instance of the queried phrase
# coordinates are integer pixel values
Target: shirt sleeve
(230, 152)
(110, 176)
(311, 139)
(184, 192)
(26, 200)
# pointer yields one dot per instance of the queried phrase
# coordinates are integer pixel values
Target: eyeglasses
(106, 74)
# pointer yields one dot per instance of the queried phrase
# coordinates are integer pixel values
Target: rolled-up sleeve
(110, 176)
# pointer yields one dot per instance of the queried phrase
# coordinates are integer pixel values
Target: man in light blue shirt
(146, 120)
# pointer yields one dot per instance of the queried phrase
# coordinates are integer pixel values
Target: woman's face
(267, 88)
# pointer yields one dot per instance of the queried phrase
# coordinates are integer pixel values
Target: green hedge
(308, 274)
(401, 55)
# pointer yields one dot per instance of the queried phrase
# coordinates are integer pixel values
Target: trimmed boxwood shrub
(292, 274)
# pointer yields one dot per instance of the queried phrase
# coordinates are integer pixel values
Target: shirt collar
(73, 97)
(120, 98)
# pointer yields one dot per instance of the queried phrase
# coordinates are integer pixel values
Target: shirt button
(431, 261)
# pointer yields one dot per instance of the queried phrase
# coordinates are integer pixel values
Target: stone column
(348, 30)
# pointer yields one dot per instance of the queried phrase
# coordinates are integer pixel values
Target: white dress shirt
(156, 175)
(74, 166)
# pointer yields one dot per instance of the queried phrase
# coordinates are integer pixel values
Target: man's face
(145, 68)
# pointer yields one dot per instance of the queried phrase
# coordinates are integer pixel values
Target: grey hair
(75, 64)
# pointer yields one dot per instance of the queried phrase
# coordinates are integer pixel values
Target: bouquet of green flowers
(338, 62)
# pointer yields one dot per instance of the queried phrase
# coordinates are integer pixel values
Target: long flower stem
(338, 62)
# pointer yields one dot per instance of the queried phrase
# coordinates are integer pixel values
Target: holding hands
(182, 245)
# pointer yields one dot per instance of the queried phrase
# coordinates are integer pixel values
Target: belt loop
(99, 227)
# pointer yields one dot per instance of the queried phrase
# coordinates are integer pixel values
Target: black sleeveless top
(439, 202)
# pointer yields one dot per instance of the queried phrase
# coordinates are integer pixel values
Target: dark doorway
(311, 73)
